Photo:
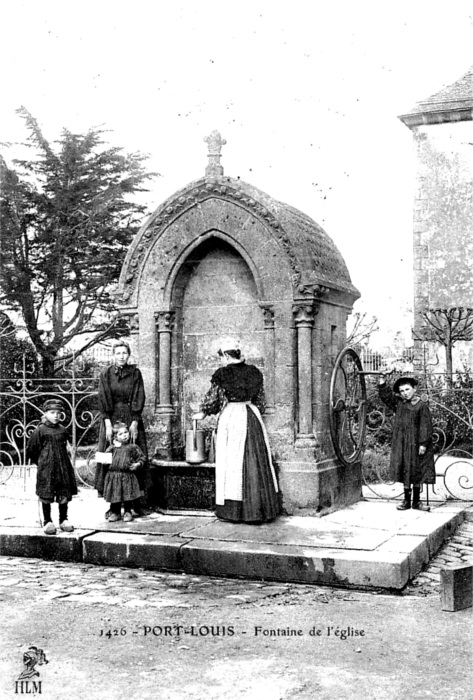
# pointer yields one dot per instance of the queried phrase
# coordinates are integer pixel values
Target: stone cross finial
(215, 143)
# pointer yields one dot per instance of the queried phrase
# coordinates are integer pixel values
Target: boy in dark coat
(412, 457)
(55, 479)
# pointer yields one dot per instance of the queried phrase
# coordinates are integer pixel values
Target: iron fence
(21, 399)
(451, 404)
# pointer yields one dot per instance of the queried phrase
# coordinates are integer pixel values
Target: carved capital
(304, 314)
(134, 323)
(268, 316)
(164, 321)
(311, 291)
(132, 319)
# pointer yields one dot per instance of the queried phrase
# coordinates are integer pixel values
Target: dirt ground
(112, 634)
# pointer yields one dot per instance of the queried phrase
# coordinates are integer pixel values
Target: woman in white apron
(246, 484)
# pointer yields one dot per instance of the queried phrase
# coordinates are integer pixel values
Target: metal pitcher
(195, 445)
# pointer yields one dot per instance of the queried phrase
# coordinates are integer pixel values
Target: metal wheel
(348, 406)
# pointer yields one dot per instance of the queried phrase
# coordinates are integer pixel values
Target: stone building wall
(443, 222)
(442, 128)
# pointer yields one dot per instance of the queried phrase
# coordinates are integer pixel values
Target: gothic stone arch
(289, 307)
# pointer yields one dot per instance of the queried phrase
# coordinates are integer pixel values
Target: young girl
(121, 483)
(412, 456)
(55, 480)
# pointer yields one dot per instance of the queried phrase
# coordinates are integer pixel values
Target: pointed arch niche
(213, 295)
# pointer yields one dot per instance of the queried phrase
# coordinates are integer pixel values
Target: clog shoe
(50, 528)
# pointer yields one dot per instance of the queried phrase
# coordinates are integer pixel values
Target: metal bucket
(195, 445)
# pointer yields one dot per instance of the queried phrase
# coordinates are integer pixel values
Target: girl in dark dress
(121, 398)
(412, 456)
(55, 480)
(121, 483)
(246, 484)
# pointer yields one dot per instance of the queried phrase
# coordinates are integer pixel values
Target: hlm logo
(28, 687)
(25, 685)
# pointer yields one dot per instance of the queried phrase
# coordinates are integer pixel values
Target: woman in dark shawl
(121, 398)
(246, 484)
(412, 456)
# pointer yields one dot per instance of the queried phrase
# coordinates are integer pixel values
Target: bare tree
(448, 327)
(362, 329)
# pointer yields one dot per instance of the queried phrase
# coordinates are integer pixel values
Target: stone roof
(316, 262)
(452, 103)
(314, 257)
(317, 256)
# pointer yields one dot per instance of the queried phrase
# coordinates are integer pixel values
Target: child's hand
(108, 430)
(135, 466)
(133, 430)
(422, 450)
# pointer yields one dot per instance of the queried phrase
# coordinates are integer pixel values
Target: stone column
(304, 316)
(270, 357)
(134, 323)
(164, 326)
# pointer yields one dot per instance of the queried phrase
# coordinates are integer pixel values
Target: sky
(306, 93)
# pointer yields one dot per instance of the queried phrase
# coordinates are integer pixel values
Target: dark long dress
(121, 397)
(412, 429)
(246, 486)
(121, 484)
(55, 479)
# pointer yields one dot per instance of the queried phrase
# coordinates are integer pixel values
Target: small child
(55, 479)
(121, 484)
(412, 455)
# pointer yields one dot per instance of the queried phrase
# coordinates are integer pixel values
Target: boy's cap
(53, 405)
(404, 380)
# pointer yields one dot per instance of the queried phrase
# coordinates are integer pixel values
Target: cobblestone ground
(137, 588)
(457, 550)
(102, 631)
(78, 613)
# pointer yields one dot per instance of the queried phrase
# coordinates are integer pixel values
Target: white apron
(230, 449)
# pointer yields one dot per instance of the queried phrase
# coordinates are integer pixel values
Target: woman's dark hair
(235, 354)
(121, 344)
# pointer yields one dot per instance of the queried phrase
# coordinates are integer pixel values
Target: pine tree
(67, 216)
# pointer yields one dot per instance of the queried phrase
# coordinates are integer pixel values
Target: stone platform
(366, 545)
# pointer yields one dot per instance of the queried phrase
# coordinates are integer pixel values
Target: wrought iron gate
(21, 399)
(357, 417)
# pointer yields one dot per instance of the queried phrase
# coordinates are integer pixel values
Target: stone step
(366, 546)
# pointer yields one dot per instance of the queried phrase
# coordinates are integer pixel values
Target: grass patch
(375, 465)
